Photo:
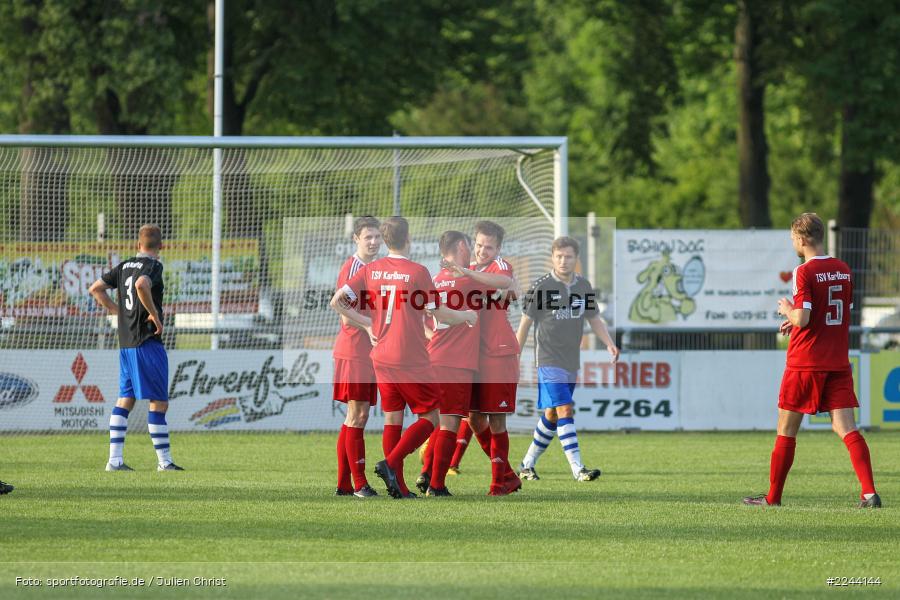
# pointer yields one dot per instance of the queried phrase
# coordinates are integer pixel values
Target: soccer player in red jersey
(454, 357)
(494, 394)
(817, 377)
(354, 376)
(398, 292)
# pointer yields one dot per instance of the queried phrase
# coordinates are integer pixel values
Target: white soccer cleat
(119, 467)
(586, 474)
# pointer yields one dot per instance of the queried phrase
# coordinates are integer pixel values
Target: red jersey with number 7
(823, 285)
(397, 292)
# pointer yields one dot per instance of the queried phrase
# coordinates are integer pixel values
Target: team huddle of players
(449, 355)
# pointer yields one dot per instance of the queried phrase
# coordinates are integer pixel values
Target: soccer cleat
(169, 467)
(528, 474)
(410, 496)
(365, 491)
(453, 470)
(512, 483)
(873, 502)
(383, 470)
(586, 474)
(120, 467)
(5, 488)
(422, 481)
(433, 492)
(759, 501)
(498, 490)
(340, 492)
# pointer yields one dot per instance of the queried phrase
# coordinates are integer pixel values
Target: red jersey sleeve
(356, 284)
(802, 289)
(426, 284)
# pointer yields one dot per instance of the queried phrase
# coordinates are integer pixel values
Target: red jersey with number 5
(397, 292)
(824, 286)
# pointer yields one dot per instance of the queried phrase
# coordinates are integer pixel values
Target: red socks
(411, 439)
(484, 438)
(499, 457)
(463, 437)
(389, 438)
(862, 462)
(782, 459)
(355, 444)
(443, 452)
(428, 455)
(343, 463)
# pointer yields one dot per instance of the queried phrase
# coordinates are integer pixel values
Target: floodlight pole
(215, 270)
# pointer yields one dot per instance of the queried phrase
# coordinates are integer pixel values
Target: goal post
(73, 205)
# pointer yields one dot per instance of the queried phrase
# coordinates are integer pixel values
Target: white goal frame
(558, 145)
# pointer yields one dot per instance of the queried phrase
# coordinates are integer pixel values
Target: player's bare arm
(522, 333)
(348, 322)
(797, 317)
(785, 328)
(599, 328)
(98, 291)
(491, 280)
(340, 302)
(143, 292)
(455, 317)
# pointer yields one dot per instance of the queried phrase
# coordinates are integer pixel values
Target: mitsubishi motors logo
(67, 392)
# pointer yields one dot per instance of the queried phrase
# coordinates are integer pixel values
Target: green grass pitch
(664, 521)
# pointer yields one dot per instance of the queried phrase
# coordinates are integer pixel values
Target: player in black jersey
(143, 364)
(559, 302)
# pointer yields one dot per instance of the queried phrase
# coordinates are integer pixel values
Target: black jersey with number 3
(134, 327)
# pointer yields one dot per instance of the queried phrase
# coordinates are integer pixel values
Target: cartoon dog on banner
(668, 291)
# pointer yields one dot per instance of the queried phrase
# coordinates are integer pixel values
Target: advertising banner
(640, 392)
(702, 278)
(257, 390)
(884, 373)
(51, 279)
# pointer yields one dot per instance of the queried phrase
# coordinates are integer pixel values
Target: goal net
(72, 210)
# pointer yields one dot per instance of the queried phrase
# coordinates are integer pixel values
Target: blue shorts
(555, 386)
(144, 372)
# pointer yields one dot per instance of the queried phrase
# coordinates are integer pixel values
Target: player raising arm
(559, 302)
(817, 377)
(143, 364)
(397, 292)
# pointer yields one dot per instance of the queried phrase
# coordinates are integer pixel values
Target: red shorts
(495, 389)
(456, 388)
(812, 392)
(354, 380)
(412, 387)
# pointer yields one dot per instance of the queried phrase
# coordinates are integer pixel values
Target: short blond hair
(810, 227)
(150, 237)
